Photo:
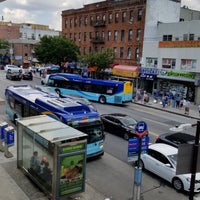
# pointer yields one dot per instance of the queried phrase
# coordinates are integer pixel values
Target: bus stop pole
(137, 175)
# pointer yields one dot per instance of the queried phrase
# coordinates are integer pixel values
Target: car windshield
(173, 159)
(128, 121)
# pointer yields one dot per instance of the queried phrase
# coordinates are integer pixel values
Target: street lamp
(194, 153)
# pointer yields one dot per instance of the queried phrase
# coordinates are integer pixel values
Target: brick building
(109, 24)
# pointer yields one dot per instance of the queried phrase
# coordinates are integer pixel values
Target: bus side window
(110, 90)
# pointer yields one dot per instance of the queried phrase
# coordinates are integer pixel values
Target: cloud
(48, 12)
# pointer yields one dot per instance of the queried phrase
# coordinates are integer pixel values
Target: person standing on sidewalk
(187, 107)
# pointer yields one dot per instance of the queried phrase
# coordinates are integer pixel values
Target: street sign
(141, 129)
(133, 147)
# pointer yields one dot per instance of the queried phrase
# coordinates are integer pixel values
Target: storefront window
(151, 62)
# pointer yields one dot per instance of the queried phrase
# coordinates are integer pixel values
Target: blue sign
(141, 129)
(10, 138)
(133, 146)
(3, 125)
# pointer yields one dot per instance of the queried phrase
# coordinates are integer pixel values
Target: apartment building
(22, 38)
(118, 25)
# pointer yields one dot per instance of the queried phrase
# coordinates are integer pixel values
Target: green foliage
(55, 49)
(4, 46)
(100, 59)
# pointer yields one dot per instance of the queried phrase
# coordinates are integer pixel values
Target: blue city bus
(103, 91)
(24, 101)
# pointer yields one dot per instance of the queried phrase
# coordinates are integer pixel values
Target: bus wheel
(102, 99)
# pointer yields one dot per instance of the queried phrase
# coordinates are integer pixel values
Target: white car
(13, 68)
(161, 160)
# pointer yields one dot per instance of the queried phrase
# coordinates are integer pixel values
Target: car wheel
(177, 184)
(141, 164)
(102, 99)
(126, 136)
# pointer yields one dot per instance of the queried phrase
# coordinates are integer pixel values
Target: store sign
(179, 44)
(152, 71)
(176, 74)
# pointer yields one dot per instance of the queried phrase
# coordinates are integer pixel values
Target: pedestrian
(146, 97)
(178, 99)
(35, 162)
(187, 107)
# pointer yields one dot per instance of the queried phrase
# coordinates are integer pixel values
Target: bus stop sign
(141, 129)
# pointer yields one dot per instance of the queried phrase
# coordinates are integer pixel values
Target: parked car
(13, 68)
(27, 75)
(13, 75)
(174, 139)
(161, 160)
(119, 124)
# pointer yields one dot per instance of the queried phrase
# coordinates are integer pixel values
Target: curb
(165, 110)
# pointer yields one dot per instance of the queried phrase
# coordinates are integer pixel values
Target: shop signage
(152, 71)
(179, 44)
(176, 74)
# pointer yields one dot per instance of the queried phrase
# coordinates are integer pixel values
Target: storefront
(182, 83)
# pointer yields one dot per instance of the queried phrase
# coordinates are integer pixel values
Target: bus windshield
(95, 133)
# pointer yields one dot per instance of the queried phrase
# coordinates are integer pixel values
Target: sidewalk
(193, 113)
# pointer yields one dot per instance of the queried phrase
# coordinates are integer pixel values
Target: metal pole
(194, 162)
(138, 175)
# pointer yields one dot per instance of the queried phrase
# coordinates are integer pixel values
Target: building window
(103, 35)
(90, 35)
(115, 35)
(185, 37)
(116, 17)
(71, 23)
(168, 63)
(85, 36)
(103, 19)
(137, 54)
(85, 21)
(97, 19)
(138, 34)
(74, 37)
(121, 52)
(91, 20)
(139, 14)
(151, 62)
(109, 35)
(70, 36)
(90, 49)
(131, 16)
(79, 37)
(167, 37)
(130, 34)
(129, 52)
(66, 23)
(124, 17)
(115, 52)
(102, 49)
(33, 36)
(97, 35)
(75, 22)
(188, 64)
(84, 50)
(96, 49)
(110, 18)
(80, 22)
(122, 35)
(191, 36)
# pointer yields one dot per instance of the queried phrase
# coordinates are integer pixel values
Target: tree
(100, 59)
(4, 47)
(55, 49)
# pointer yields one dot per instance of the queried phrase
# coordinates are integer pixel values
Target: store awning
(126, 71)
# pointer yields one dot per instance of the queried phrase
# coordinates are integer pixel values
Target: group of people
(41, 167)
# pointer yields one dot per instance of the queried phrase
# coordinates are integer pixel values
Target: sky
(48, 12)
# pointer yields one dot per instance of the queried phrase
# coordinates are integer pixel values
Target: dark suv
(174, 139)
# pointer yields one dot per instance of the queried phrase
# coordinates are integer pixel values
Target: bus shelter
(52, 154)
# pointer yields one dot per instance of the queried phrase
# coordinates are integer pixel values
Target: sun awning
(126, 71)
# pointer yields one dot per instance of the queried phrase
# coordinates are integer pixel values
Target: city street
(110, 176)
